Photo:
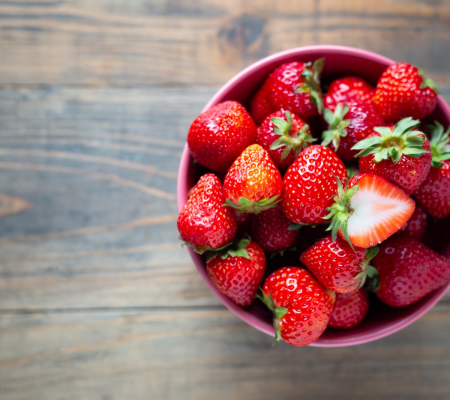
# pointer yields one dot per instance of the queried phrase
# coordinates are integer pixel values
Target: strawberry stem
(337, 125)
(247, 206)
(374, 279)
(440, 144)
(341, 210)
(311, 83)
(231, 250)
(296, 143)
(278, 313)
(202, 249)
(402, 139)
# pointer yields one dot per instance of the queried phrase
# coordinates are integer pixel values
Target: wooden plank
(206, 354)
(88, 198)
(203, 42)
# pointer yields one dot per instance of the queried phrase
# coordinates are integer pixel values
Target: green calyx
(311, 83)
(247, 206)
(278, 313)
(297, 143)
(231, 250)
(403, 139)
(366, 269)
(373, 284)
(202, 249)
(427, 83)
(440, 144)
(337, 125)
(340, 211)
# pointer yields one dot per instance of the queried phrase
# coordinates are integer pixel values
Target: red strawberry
(253, 183)
(237, 273)
(434, 193)
(416, 225)
(350, 123)
(293, 86)
(309, 184)
(218, 136)
(270, 229)
(204, 223)
(244, 221)
(284, 136)
(349, 310)
(337, 266)
(400, 154)
(370, 211)
(301, 305)
(260, 106)
(408, 270)
(349, 88)
(402, 91)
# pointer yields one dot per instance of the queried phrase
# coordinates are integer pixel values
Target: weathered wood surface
(167, 42)
(97, 298)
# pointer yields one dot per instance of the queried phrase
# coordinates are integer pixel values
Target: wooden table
(97, 298)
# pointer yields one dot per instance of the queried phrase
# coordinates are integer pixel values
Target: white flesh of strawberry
(380, 210)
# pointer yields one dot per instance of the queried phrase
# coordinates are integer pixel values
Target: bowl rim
(182, 190)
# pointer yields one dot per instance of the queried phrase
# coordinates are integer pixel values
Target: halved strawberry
(369, 210)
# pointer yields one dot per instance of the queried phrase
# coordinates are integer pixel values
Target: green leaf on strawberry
(440, 144)
(403, 139)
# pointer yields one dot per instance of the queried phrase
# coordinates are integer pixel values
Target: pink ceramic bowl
(381, 320)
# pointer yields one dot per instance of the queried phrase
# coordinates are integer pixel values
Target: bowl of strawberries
(314, 195)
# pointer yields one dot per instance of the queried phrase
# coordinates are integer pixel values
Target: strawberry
(416, 225)
(260, 106)
(337, 266)
(350, 123)
(270, 229)
(349, 88)
(284, 136)
(368, 210)
(293, 86)
(349, 310)
(301, 305)
(244, 221)
(238, 272)
(399, 153)
(434, 193)
(204, 223)
(219, 135)
(402, 91)
(408, 270)
(309, 184)
(253, 183)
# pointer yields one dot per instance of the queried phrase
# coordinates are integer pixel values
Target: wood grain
(100, 184)
(204, 42)
(97, 298)
(200, 354)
